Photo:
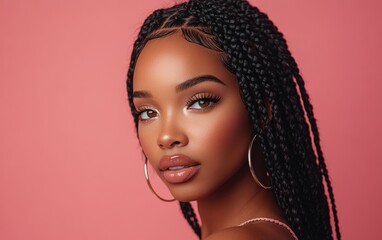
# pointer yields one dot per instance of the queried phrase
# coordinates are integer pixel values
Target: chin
(187, 193)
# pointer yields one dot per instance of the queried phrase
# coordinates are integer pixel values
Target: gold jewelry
(151, 187)
(251, 167)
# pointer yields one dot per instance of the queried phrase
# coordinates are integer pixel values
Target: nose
(172, 135)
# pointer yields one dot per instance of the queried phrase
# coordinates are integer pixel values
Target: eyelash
(208, 97)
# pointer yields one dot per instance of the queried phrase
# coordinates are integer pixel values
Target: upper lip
(178, 160)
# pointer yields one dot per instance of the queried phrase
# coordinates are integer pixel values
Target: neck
(236, 201)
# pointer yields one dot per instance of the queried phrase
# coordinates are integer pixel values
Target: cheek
(224, 133)
(147, 141)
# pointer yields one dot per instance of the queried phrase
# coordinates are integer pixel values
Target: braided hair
(256, 52)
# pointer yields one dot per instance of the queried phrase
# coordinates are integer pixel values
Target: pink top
(271, 220)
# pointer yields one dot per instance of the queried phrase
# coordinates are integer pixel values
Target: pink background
(70, 165)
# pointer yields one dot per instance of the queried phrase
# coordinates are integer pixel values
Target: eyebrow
(184, 85)
(141, 94)
(196, 80)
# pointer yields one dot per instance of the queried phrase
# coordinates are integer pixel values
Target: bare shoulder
(263, 231)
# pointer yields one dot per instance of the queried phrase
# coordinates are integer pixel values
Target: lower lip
(181, 175)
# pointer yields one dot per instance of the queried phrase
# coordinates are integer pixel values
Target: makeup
(193, 128)
(178, 168)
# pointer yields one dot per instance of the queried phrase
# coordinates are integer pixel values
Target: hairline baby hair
(256, 52)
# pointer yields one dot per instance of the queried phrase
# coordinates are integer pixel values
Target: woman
(223, 117)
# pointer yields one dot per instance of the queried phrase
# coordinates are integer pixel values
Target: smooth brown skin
(215, 134)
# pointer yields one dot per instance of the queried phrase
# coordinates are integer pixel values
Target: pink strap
(271, 220)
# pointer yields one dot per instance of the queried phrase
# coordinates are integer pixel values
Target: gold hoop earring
(251, 167)
(151, 187)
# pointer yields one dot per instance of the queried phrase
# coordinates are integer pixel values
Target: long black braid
(257, 53)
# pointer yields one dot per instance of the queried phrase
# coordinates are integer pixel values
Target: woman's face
(193, 126)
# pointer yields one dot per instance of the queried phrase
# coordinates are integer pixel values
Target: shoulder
(262, 231)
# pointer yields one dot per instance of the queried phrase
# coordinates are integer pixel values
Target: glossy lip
(177, 169)
(167, 162)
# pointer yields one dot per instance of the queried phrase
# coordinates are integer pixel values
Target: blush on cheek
(225, 134)
(231, 132)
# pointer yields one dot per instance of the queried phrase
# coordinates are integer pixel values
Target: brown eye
(201, 104)
(147, 114)
(202, 101)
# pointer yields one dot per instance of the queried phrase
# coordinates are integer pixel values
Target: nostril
(169, 144)
(172, 140)
(175, 143)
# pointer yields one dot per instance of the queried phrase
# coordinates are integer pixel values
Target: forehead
(173, 59)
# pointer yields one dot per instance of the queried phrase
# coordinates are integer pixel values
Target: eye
(201, 104)
(147, 114)
(202, 101)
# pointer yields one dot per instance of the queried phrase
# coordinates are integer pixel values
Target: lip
(178, 168)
